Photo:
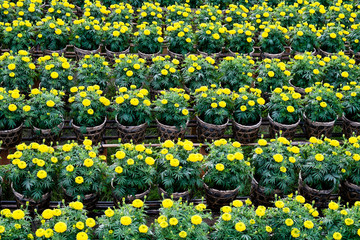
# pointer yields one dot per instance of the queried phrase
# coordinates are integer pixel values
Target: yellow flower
(283, 169)
(308, 224)
(12, 107)
(18, 214)
(41, 174)
(271, 74)
(60, 227)
(300, 33)
(323, 104)
(118, 169)
(54, 75)
(182, 234)
(333, 35)
(79, 180)
(50, 103)
(185, 111)
(86, 102)
(337, 236)
(143, 228)
(226, 217)
(214, 105)
(129, 73)
(345, 74)
(220, 167)
(290, 109)
(82, 236)
(289, 222)
(26, 108)
(278, 158)
(167, 203)
(134, 101)
(295, 232)
(222, 104)
(109, 212)
(164, 72)
(240, 227)
(349, 221)
(196, 220)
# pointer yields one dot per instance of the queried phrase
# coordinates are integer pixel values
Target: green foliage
(117, 38)
(133, 170)
(351, 102)
(272, 74)
(52, 34)
(32, 173)
(276, 166)
(93, 70)
(208, 14)
(272, 39)
(17, 35)
(221, 4)
(352, 173)
(10, 119)
(61, 10)
(171, 107)
(345, 15)
(180, 37)
(86, 34)
(210, 37)
(332, 39)
(29, 10)
(199, 71)
(306, 70)
(248, 106)
(121, 12)
(226, 167)
(11, 225)
(259, 14)
(241, 38)
(213, 105)
(94, 10)
(354, 37)
(236, 73)
(314, 14)
(304, 38)
(134, 69)
(179, 12)
(148, 38)
(322, 104)
(8, 15)
(164, 73)
(150, 13)
(287, 15)
(18, 71)
(236, 14)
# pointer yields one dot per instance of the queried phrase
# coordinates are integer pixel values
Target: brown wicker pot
(300, 53)
(259, 197)
(245, 134)
(285, 130)
(80, 53)
(176, 55)
(350, 192)
(272, 55)
(89, 200)
(170, 132)
(185, 196)
(317, 129)
(130, 198)
(136, 134)
(209, 132)
(350, 127)
(149, 56)
(325, 53)
(51, 136)
(204, 54)
(320, 197)
(94, 134)
(112, 55)
(216, 199)
(50, 52)
(234, 54)
(10, 138)
(21, 201)
(297, 89)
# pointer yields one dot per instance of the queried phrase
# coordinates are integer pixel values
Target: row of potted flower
(290, 219)
(321, 171)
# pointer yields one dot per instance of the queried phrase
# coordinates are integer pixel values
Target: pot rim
(88, 128)
(283, 125)
(248, 126)
(318, 123)
(13, 130)
(210, 124)
(123, 126)
(214, 189)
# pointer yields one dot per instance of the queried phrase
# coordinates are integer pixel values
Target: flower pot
(285, 130)
(297, 89)
(245, 134)
(216, 198)
(94, 134)
(209, 132)
(50, 52)
(350, 127)
(40, 205)
(80, 53)
(112, 55)
(300, 53)
(324, 53)
(170, 132)
(317, 129)
(234, 54)
(176, 55)
(350, 192)
(272, 55)
(130, 198)
(51, 136)
(259, 197)
(149, 56)
(204, 54)
(185, 196)
(10, 138)
(320, 197)
(89, 200)
(136, 134)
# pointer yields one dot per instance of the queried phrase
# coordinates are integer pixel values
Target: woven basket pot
(94, 134)
(350, 192)
(48, 136)
(320, 197)
(112, 55)
(50, 52)
(10, 138)
(209, 132)
(325, 53)
(176, 55)
(149, 56)
(259, 197)
(285, 130)
(272, 55)
(130, 198)
(40, 205)
(136, 134)
(234, 54)
(245, 134)
(297, 89)
(300, 53)
(80, 53)
(350, 127)
(89, 200)
(317, 129)
(170, 132)
(204, 54)
(216, 199)
(185, 196)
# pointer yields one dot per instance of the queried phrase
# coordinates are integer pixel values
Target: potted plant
(322, 107)
(148, 41)
(179, 220)
(236, 72)
(33, 175)
(12, 114)
(171, 113)
(88, 112)
(150, 12)
(86, 37)
(16, 223)
(199, 71)
(212, 109)
(353, 39)
(314, 13)
(17, 35)
(343, 14)
(117, 39)
(260, 14)
(18, 71)
(46, 115)
(68, 222)
(304, 39)
(284, 112)
(180, 39)
(208, 13)
(134, 68)
(241, 39)
(29, 10)
(8, 15)
(242, 221)
(287, 15)
(332, 40)
(93, 70)
(95, 10)
(210, 38)
(56, 72)
(52, 35)
(164, 74)
(61, 10)
(248, 105)
(227, 173)
(132, 221)
(272, 41)
(321, 163)
(276, 170)
(132, 173)
(132, 112)
(82, 173)
(179, 13)
(237, 13)
(306, 70)
(178, 170)
(351, 107)
(120, 12)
